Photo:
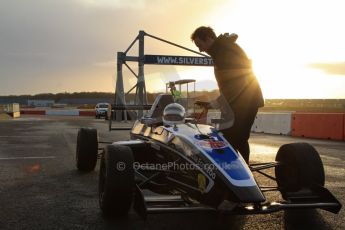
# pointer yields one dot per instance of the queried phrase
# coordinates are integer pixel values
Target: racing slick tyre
(300, 167)
(87, 149)
(116, 181)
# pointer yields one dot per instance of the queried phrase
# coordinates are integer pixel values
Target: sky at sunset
(297, 46)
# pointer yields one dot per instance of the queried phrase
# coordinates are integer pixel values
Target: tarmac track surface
(40, 187)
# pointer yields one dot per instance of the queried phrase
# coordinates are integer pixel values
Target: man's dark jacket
(233, 72)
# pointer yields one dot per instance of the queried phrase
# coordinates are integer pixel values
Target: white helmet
(173, 114)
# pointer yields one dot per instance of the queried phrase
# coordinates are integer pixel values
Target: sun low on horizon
(296, 47)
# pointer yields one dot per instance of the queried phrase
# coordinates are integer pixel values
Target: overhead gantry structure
(121, 107)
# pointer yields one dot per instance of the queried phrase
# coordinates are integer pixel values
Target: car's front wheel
(300, 167)
(116, 181)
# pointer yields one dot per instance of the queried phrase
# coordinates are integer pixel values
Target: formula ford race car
(190, 167)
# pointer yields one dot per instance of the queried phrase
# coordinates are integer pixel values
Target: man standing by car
(237, 84)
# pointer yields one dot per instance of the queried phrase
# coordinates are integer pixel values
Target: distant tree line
(314, 105)
(59, 96)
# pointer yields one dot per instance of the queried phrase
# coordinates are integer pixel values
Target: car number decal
(211, 144)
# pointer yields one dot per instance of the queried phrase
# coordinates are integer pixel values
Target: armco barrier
(87, 113)
(60, 112)
(318, 125)
(273, 123)
(67, 112)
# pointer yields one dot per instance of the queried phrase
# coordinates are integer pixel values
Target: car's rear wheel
(300, 167)
(116, 181)
(87, 149)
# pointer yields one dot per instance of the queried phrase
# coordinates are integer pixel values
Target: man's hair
(203, 33)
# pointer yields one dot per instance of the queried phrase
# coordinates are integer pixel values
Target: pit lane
(40, 187)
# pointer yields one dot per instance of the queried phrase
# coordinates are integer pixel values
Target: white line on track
(26, 158)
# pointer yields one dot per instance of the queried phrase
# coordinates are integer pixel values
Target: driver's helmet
(173, 114)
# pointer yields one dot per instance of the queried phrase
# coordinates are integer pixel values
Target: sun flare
(283, 40)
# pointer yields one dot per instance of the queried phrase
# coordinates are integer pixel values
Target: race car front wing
(319, 197)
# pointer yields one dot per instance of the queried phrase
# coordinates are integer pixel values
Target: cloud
(335, 68)
(74, 42)
(119, 4)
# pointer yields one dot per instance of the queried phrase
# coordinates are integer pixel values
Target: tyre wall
(87, 113)
(312, 125)
(33, 112)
